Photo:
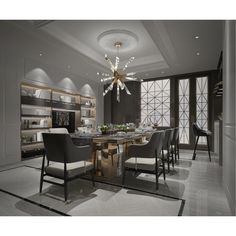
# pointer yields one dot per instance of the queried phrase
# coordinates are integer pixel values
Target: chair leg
(177, 145)
(42, 174)
(168, 162)
(157, 185)
(172, 159)
(208, 146)
(123, 177)
(163, 169)
(194, 152)
(175, 153)
(65, 190)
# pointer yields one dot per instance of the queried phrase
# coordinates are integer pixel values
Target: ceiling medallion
(119, 76)
(107, 39)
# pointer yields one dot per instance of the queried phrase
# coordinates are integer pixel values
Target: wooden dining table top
(114, 138)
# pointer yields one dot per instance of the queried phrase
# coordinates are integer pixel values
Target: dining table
(121, 139)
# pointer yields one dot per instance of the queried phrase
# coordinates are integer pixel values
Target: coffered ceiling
(160, 48)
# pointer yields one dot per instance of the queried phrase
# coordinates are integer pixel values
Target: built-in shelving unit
(35, 118)
(43, 108)
(88, 112)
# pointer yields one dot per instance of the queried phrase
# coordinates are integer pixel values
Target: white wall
(229, 101)
(20, 61)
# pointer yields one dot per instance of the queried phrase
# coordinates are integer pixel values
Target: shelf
(35, 101)
(87, 107)
(65, 105)
(31, 143)
(37, 116)
(33, 129)
(88, 117)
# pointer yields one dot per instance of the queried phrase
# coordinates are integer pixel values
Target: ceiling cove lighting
(118, 75)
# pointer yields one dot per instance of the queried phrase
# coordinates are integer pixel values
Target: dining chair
(168, 157)
(66, 161)
(175, 143)
(198, 132)
(144, 157)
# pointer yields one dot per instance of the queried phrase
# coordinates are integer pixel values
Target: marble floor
(196, 184)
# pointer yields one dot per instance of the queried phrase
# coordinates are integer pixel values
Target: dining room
(117, 118)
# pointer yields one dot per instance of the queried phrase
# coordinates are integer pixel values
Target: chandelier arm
(121, 84)
(117, 62)
(109, 88)
(110, 63)
(131, 78)
(127, 63)
(106, 79)
(131, 74)
(118, 93)
(127, 90)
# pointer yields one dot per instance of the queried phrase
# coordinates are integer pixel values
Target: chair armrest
(140, 150)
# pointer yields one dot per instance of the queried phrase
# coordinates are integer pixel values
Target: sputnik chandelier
(119, 76)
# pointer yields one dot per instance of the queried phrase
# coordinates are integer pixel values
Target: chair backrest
(58, 131)
(56, 146)
(148, 149)
(175, 136)
(152, 143)
(167, 138)
(160, 139)
(196, 129)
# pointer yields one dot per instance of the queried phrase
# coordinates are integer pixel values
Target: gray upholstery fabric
(141, 163)
(60, 148)
(175, 136)
(143, 155)
(146, 150)
(200, 132)
(73, 169)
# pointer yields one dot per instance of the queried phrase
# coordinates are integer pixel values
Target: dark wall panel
(125, 111)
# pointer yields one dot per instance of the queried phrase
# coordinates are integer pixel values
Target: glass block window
(202, 105)
(184, 111)
(155, 102)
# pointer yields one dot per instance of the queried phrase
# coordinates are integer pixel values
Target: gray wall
(20, 61)
(229, 101)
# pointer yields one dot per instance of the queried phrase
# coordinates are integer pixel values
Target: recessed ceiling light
(97, 73)
(163, 72)
(196, 37)
(40, 54)
(198, 53)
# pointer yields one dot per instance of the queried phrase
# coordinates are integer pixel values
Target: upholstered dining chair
(168, 157)
(175, 143)
(198, 132)
(65, 160)
(144, 157)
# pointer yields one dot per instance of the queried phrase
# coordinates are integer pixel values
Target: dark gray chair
(175, 144)
(64, 160)
(198, 132)
(167, 148)
(144, 157)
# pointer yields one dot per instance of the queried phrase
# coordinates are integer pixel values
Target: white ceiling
(164, 47)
